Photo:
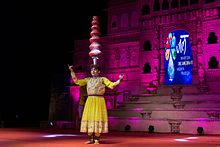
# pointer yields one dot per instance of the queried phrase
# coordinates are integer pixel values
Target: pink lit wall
(124, 49)
(134, 46)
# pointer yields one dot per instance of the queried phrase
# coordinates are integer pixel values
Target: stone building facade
(134, 46)
(137, 30)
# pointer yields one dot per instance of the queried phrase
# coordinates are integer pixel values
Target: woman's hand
(119, 80)
(121, 77)
(73, 75)
(70, 68)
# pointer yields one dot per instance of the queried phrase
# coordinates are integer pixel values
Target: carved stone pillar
(203, 87)
(161, 69)
(146, 114)
(156, 54)
(175, 126)
(178, 105)
(176, 95)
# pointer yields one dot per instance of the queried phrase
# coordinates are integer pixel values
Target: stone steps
(162, 98)
(171, 104)
(187, 126)
(166, 114)
(180, 116)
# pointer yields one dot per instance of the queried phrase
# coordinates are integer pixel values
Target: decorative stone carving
(156, 53)
(213, 114)
(152, 87)
(176, 94)
(127, 95)
(133, 98)
(175, 126)
(201, 74)
(146, 114)
(178, 105)
(203, 87)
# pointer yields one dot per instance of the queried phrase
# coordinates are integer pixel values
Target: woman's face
(95, 72)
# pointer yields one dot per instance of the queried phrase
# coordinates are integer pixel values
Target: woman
(95, 118)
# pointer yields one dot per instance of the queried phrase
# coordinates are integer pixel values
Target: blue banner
(178, 59)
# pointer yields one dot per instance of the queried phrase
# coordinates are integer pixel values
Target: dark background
(37, 36)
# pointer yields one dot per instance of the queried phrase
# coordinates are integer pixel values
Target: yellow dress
(95, 117)
(82, 95)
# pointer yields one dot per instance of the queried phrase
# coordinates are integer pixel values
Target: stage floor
(26, 137)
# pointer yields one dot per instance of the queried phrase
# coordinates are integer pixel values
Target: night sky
(39, 36)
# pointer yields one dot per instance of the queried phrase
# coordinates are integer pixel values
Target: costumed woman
(95, 118)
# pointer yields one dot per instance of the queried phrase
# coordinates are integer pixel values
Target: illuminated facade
(134, 45)
(137, 32)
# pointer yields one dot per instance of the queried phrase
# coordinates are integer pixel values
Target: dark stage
(26, 137)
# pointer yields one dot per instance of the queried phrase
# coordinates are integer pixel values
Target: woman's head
(95, 70)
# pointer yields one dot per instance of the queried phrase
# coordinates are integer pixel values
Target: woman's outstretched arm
(73, 75)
